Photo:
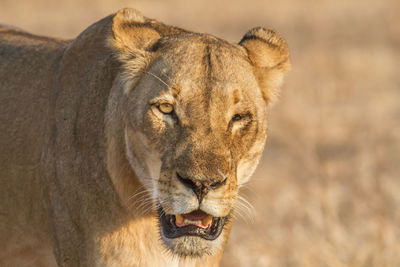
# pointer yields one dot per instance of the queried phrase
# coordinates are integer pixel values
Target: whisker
(138, 194)
(158, 78)
(240, 214)
(144, 209)
(250, 215)
(224, 176)
(244, 206)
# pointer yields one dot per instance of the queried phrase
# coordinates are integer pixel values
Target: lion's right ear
(131, 36)
(269, 55)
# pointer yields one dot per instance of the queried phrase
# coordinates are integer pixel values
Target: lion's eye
(236, 117)
(240, 120)
(166, 108)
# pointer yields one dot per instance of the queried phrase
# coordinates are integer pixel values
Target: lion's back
(27, 68)
(27, 65)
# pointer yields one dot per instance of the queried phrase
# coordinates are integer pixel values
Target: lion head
(187, 124)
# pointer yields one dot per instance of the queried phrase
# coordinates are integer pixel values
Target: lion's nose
(200, 187)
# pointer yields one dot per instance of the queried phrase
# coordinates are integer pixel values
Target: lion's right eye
(240, 120)
(166, 108)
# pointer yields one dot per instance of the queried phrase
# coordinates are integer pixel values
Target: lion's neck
(135, 243)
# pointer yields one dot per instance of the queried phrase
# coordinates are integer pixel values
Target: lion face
(194, 115)
(203, 128)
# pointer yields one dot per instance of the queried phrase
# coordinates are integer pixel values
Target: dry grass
(327, 192)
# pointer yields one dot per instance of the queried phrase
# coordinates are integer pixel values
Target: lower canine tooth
(206, 221)
(179, 219)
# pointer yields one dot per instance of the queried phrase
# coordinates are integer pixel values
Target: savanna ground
(327, 191)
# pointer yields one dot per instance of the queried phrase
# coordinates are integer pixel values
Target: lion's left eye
(236, 117)
(166, 108)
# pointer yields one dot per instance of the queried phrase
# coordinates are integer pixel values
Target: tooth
(187, 221)
(206, 221)
(178, 219)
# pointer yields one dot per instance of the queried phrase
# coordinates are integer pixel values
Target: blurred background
(327, 190)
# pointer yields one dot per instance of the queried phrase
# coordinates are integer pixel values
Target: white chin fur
(193, 246)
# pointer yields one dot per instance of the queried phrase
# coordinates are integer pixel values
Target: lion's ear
(131, 35)
(269, 55)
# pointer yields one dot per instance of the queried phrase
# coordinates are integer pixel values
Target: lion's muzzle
(201, 187)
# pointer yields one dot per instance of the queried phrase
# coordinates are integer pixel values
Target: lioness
(127, 145)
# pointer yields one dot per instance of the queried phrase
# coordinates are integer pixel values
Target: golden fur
(87, 156)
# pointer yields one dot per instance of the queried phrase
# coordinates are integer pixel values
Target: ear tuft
(266, 48)
(269, 55)
(131, 32)
(130, 14)
(131, 38)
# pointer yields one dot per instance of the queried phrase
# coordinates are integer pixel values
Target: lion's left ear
(269, 55)
(132, 36)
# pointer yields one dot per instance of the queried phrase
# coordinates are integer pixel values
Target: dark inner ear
(269, 55)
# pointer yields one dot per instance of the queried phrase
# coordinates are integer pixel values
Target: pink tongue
(197, 215)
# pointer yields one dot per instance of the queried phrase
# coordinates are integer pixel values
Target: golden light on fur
(118, 183)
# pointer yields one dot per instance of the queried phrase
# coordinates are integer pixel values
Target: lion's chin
(192, 246)
(191, 235)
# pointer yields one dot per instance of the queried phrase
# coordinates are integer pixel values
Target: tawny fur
(86, 156)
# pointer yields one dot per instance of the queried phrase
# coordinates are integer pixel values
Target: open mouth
(195, 223)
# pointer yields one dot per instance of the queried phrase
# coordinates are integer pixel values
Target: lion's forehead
(206, 59)
(209, 76)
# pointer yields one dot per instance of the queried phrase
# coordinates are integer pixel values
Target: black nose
(200, 187)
